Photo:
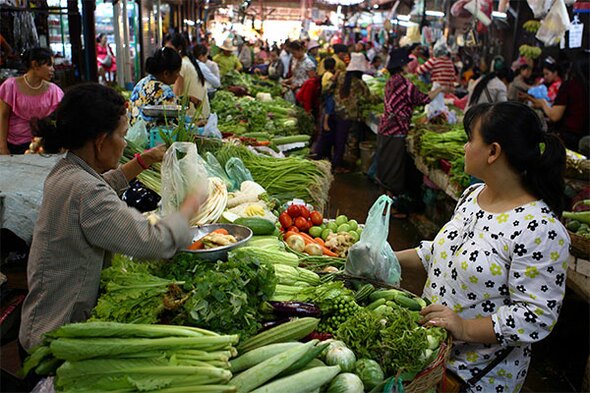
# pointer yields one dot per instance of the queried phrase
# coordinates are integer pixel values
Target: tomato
(316, 218)
(293, 229)
(301, 223)
(304, 212)
(294, 211)
(285, 220)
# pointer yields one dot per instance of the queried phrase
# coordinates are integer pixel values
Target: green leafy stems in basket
(182, 131)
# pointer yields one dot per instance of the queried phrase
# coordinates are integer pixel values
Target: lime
(323, 226)
(359, 230)
(315, 231)
(355, 236)
(343, 228)
(332, 225)
(326, 232)
(353, 224)
(342, 219)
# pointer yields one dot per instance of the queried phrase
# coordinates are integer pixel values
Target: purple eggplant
(270, 324)
(299, 309)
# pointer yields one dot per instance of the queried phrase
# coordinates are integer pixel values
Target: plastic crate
(154, 135)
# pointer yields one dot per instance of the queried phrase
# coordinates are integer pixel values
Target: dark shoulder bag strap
(505, 352)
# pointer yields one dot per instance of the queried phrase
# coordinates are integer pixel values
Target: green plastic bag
(237, 171)
(372, 256)
(214, 169)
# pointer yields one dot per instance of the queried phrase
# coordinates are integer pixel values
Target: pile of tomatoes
(298, 218)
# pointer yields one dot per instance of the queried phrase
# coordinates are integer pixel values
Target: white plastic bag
(183, 172)
(372, 256)
(539, 7)
(137, 134)
(210, 130)
(555, 24)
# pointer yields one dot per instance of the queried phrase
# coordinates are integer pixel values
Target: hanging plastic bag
(138, 134)
(210, 130)
(183, 172)
(555, 24)
(237, 171)
(539, 7)
(372, 256)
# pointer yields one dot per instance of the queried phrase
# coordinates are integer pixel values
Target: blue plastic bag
(372, 256)
(539, 92)
(237, 171)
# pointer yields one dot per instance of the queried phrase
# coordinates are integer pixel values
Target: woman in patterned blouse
(495, 273)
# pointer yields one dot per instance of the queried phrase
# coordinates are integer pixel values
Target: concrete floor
(558, 362)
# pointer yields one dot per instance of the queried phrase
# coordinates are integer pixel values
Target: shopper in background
(26, 97)
(375, 66)
(340, 53)
(551, 77)
(82, 221)
(519, 84)
(226, 60)
(105, 60)
(163, 69)
(496, 272)
(349, 92)
(490, 88)
(209, 69)
(440, 67)
(326, 140)
(190, 81)
(569, 113)
(276, 69)
(245, 56)
(313, 50)
(302, 68)
(286, 58)
(396, 171)
(414, 51)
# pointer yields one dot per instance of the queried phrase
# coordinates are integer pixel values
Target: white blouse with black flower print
(510, 266)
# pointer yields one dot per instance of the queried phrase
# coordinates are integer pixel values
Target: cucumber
(261, 136)
(259, 226)
(283, 140)
(408, 303)
(259, 355)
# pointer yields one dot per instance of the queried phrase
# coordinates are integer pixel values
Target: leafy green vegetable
(369, 372)
(389, 335)
(225, 296)
(346, 383)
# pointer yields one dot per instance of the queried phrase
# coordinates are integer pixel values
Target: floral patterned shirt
(149, 91)
(510, 266)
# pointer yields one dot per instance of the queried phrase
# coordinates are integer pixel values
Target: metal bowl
(240, 232)
(161, 110)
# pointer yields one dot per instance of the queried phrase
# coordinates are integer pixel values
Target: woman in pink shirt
(26, 97)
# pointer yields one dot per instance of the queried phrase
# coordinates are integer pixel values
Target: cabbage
(333, 344)
(341, 356)
(346, 383)
(369, 372)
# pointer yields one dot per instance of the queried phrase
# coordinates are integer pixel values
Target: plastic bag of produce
(555, 24)
(214, 169)
(237, 171)
(138, 134)
(182, 172)
(210, 130)
(372, 256)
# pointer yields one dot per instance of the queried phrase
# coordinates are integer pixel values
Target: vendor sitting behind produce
(82, 221)
(496, 272)
(163, 69)
(226, 60)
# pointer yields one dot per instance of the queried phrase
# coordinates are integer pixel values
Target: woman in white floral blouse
(496, 271)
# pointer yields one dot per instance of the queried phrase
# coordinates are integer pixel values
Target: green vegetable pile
(247, 115)
(392, 337)
(107, 356)
(284, 178)
(252, 83)
(225, 296)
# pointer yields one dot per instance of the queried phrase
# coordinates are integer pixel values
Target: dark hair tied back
(40, 55)
(164, 59)
(538, 156)
(85, 112)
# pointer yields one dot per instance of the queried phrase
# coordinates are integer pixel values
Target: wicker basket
(580, 246)
(432, 375)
